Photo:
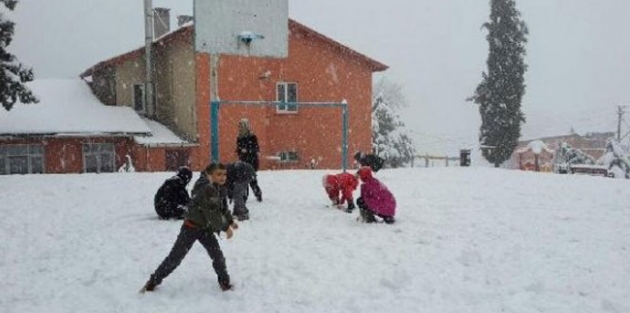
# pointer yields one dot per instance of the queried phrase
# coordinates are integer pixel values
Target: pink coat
(378, 198)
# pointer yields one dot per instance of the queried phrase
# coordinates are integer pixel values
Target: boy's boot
(225, 286)
(149, 286)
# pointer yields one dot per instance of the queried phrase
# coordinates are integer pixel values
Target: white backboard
(226, 26)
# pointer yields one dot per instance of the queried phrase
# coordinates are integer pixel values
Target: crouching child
(375, 198)
(342, 184)
(171, 198)
(207, 215)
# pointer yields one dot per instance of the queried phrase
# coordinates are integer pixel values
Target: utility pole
(620, 112)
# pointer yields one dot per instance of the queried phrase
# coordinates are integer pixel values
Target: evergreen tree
(503, 85)
(390, 138)
(13, 75)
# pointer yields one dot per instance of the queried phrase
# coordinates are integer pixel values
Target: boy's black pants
(255, 188)
(186, 238)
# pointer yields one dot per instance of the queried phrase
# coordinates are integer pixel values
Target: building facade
(317, 69)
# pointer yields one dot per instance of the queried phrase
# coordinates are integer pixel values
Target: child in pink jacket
(375, 198)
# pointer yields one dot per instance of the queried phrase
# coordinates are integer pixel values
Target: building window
(138, 98)
(286, 92)
(98, 157)
(176, 158)
(22, 159)
(288, 156)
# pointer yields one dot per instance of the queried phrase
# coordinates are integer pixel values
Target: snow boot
(389, 220)
(149, 286)
(350, 207)
(242, 217)
(225, 286)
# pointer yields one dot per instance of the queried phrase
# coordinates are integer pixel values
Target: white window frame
(288, 157)
(286, 109)
(94, 149)
(33, 151)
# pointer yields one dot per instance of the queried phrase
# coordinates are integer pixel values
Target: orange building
(317, 69)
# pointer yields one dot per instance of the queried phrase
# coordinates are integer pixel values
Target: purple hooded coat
(377, 197)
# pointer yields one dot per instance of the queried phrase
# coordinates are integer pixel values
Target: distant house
(70, 131)
(536, 156)
(592, 144)
(317, 69)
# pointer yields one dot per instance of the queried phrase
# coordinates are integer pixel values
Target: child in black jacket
(171, 198)
(247, 149)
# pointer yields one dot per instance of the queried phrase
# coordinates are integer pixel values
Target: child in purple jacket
(375, 198)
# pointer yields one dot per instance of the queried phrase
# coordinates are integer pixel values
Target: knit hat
(365, 173)
(244, 123)
(184, 173)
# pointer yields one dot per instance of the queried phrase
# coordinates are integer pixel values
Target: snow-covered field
(467, 240)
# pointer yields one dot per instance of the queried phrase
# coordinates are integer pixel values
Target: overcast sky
(578, 54)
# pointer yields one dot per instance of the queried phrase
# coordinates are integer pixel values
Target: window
(138, 98)
(21, 159)
(286, 92)
(176, 158)
(288, 156)
(98, 157)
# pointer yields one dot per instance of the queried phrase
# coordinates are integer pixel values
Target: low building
(70, 131)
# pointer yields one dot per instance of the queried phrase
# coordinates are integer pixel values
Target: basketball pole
(214, 106)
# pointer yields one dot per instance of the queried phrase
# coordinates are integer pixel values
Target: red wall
(323, 74)
(65, 154)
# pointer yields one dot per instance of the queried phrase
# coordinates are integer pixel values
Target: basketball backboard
(242, 27)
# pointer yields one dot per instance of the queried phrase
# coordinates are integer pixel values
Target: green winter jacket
(208, 206)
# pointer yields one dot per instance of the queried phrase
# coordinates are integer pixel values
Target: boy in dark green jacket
(207, 214)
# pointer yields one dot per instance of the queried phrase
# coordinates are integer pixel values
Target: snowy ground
(467, 240)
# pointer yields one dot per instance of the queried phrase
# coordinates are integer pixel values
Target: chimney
(161, 22)
(183, 19)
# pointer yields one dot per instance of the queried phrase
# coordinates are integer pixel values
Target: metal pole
(214, 108)
(214, 130)
(344, 148)
(620, 115)
(148, 41)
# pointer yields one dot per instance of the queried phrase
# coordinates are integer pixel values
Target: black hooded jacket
(247, 149)
(171, 194)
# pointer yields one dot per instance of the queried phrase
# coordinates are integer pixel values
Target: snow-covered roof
(68, 107)
(536, 146)
(161, 136)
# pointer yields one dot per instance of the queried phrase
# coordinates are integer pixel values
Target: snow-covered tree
(567, 155)
(503, 84)
(13, 74)
(615, 157)
(390, 138)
